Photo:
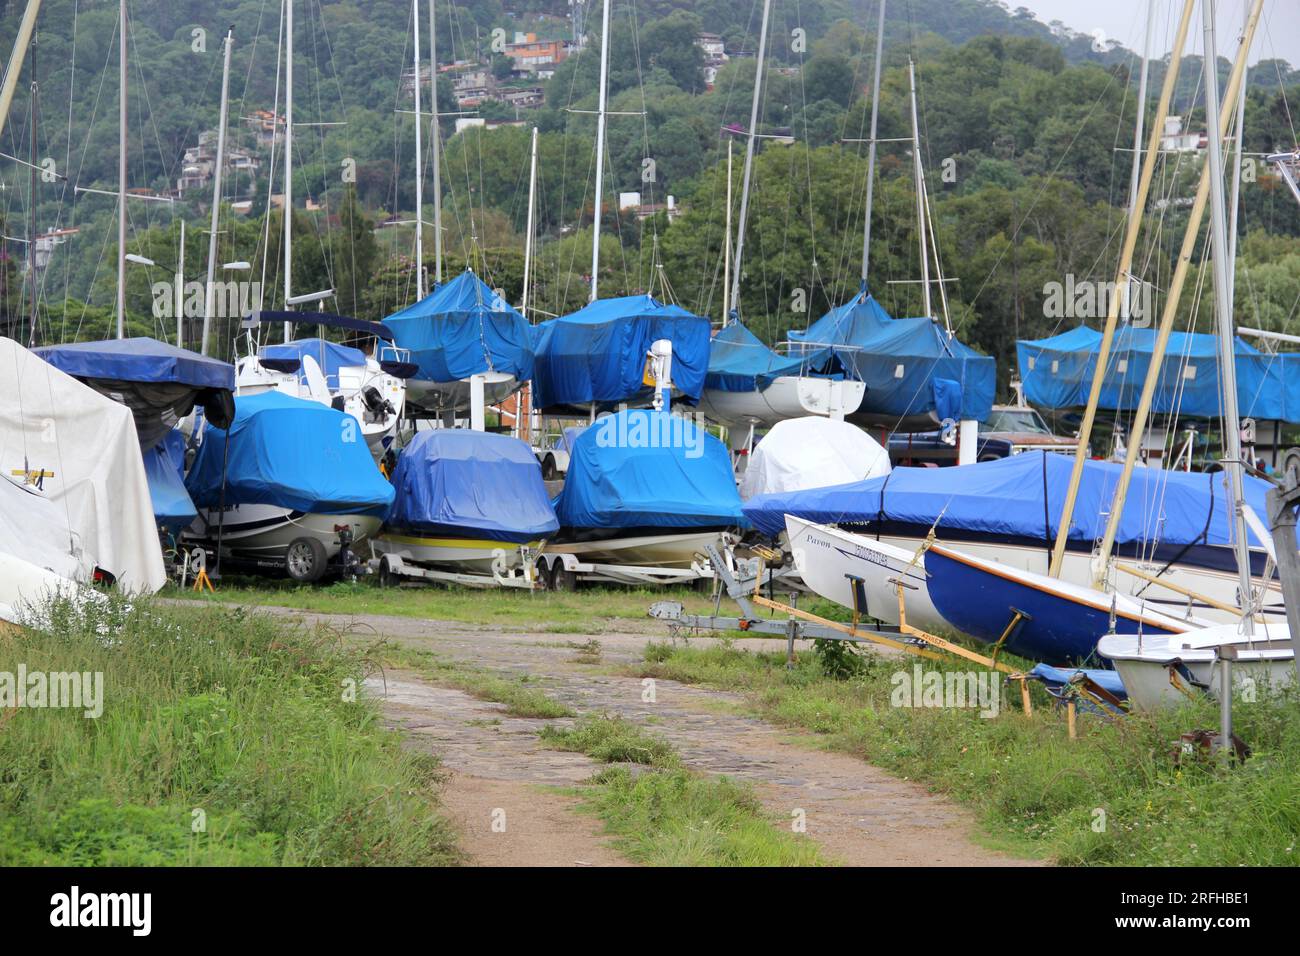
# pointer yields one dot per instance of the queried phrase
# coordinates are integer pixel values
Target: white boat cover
(812, 452)
(85, 449)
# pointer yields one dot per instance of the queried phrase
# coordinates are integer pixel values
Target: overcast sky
(1125, 21)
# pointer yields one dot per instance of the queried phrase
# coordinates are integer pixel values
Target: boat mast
(419, 160)
(1167, 318)
(1223, 310)
(1141, 114)
(1234, 202)
(919, 172)
(121, 171)
(871, 146)
(216, 194)
(21, 43)
(1121, 281)
(726, 242)
(749, 157)
(600, 148)
(288, 159)
(31, 194)
(435, 142)
(528, 233)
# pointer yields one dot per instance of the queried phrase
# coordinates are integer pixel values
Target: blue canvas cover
(330, 356)
(598, 353)
(910, 366)
(291, 453)
(164, 467)
(463, 328)
(740, 362)
(643, 468)
(1057, 373)
(470, 484)
(139, 359)
(1005, 498)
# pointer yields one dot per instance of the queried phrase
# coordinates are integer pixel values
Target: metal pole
(216, 195)
(121, 171)
(726, 242)
(528, 234)
(435, 142)
(919, 172)
(600, 149)
(1223, 308)
(1141, 112)
(31, 196)
(419, 160)
(1121, 280)
(749, 158)
(871, 145)
(1235, 201)
(287, 210)
(180, 290)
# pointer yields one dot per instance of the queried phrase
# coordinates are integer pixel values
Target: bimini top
(463, 328)
(139, 359)
(911, 367)
(291, 453)
(329, 356)
(470, 484)
(740, 362)
(598, 354)
(164, 467)
(1021, 497)
(1057, 373)
(642, 468)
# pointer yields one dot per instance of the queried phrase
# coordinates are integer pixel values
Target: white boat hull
(264, 532)
(24, 587)
(476, 556)
(453, 398)
(669, 550)
(789, 396)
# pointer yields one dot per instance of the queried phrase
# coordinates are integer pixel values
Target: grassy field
(1116, 795)
(225, 738)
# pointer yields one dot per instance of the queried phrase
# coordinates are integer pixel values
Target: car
(1024, 430)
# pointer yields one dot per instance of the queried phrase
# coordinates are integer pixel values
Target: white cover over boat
(84, 449)
(812, 452)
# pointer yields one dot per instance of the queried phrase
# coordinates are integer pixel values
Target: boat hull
(472, 555)
(789, 396)
(428, 399)
(262, 533)
(679, 549)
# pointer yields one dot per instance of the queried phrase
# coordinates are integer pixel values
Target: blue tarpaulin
(164, 467)
(291, 453)
(740, 362)
(910, 366)
(330, 356)
(598, 353)
(139, 359)
(643, 468)
(463, 328)
(1022, 496)
(1057, 373)
(470, 484)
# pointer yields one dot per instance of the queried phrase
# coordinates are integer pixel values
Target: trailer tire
(387, 577)
(305, 560)
(562, 579)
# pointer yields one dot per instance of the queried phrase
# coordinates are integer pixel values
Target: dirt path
(859, 814)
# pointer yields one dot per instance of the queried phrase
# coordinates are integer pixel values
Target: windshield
(1016, 420)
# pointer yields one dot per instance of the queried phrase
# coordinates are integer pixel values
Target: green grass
(226, 738)
(666, 815)
(1035, 790)
(587, 611)
(521, 698)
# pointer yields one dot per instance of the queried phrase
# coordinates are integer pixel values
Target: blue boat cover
(910, 366)
(642, 468)
(1022, 496)
(291, 453)
(140, 359)
(470, 484)
(463, 328)
(164, 467)
(1057, 677)
(740, 362)
(1057, 373)
(330, 356)
(598, 353)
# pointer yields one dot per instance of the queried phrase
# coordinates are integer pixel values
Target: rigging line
(270, 178)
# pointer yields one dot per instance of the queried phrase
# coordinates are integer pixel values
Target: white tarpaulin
(82, 447)
(812, 452)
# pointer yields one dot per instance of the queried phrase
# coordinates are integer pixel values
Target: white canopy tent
(812, 452)
(92, 506)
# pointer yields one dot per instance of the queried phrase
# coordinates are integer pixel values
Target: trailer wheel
(387, 577)
(305, 560)
(562, 579)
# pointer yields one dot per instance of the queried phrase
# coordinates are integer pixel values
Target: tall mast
(528, 233)
(435, 142)
(31, 195)
(871, 145)
(1234, 202)
(121, 171)
(749, 157)
(918, 170)
(600, 148)
(288, 159)
(1141, 112)
(419, 161)
(1223, 310)
(1196, 215)
(1121, 281)
(726, 242)
(216, 193)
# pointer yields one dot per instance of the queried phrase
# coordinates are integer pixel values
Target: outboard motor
(378, 406)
